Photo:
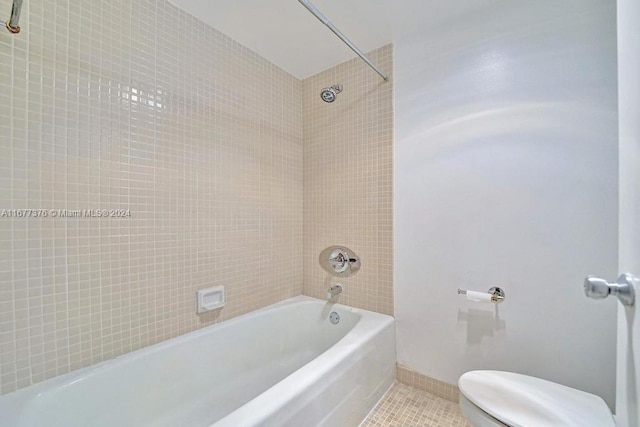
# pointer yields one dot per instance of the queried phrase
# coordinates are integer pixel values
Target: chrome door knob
(595, 287)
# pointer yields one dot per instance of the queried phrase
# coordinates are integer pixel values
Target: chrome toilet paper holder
(497, 294)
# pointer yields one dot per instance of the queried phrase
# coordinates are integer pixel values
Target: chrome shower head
(329, 94)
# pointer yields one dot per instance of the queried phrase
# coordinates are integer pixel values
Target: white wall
(628, 384)
(506, 174)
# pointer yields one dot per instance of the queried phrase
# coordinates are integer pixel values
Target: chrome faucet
(333, 291)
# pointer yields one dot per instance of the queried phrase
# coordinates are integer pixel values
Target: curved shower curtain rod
(311, 8)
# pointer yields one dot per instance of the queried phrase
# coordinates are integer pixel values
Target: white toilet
(499, 399)
(507, 399)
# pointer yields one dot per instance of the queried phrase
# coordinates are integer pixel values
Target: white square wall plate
(209, 299)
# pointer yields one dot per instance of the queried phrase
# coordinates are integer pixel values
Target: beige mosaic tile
(406, 406)
(428, 384)
(201, 141)
(348, 179)
(138, 107)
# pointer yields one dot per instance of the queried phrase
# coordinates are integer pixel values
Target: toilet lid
(519, 400)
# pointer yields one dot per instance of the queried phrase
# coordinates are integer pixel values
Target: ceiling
(286, 34)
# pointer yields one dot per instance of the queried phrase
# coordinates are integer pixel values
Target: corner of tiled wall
(348, 179)
(436, 387)
(104, 105)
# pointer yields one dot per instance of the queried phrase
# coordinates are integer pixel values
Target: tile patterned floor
(405, 406)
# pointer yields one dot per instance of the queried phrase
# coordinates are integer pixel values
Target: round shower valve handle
(339, 261)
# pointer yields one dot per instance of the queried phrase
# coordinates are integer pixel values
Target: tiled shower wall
(348, 179)
(135, 105)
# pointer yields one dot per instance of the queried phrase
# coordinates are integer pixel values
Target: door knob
(595, 287)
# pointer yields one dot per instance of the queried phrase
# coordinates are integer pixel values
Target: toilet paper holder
(497, 294)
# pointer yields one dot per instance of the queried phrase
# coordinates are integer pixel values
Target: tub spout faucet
(333, 291)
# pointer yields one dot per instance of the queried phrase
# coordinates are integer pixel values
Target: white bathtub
(285, 365)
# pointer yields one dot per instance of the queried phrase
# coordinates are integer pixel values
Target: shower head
(329, 94)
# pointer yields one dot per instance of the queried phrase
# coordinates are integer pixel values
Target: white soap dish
(209, 299)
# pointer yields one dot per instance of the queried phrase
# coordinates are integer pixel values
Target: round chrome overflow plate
(334, 318)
